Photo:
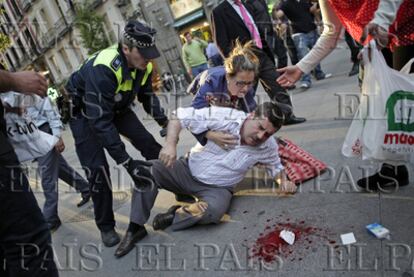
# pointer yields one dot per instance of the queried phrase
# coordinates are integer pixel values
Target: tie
(249, 24)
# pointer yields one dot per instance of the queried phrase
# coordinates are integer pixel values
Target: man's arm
(26, 82)
(168, 153)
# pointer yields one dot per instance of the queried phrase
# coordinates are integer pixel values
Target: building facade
(44, 34)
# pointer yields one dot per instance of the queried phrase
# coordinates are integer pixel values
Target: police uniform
(102, 91)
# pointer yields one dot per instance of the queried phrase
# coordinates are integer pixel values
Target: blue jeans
(195, 70)
(303, 43)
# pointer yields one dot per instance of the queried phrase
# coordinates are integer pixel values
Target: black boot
(354, 69)
(388, 177)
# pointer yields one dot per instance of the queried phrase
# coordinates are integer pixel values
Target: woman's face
(240, 84)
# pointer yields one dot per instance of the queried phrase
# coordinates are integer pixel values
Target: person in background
(391, 24)
(193, 55)
(22, 222)
(304, 32)
(213, 54)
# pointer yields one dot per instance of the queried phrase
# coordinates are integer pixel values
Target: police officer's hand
(140, 174)
(168, 155)
(60, 145)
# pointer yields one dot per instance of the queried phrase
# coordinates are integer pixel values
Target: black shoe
(85, 199)
(388, 177)
(184, 198)
(53, 225)
(129, 240)
(294, 120)
(323, 76)
(110, 238)
(162, 221)
(354, 70)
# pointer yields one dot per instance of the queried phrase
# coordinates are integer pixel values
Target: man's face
(255, 131)
(134, 58)
(188, 38)
(241, 83)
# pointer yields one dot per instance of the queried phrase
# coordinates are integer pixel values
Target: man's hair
(242, 58)
(129, 43)
(187, 33)
(276, 112)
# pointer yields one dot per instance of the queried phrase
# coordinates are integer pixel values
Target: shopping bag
(28, 141)
(383, 127)
(299, 165)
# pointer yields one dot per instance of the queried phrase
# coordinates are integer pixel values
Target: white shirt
(213, 165)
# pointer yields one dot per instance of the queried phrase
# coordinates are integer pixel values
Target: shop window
(182, 7)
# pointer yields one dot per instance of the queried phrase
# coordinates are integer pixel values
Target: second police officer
(102, 91)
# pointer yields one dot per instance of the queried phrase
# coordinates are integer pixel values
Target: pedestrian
(391, 24)
(206, 173)
(304, 32)
(102, 92)
(193, 55)
(25, 241)
(213, 54)
(53, 165)
(232, 21)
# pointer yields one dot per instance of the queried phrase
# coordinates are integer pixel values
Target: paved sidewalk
(322, 210)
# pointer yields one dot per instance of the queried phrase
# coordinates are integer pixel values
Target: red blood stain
(268, 246)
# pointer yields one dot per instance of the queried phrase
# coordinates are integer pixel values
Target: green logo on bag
(400, 110)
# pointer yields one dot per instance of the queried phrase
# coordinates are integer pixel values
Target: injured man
(210, 173)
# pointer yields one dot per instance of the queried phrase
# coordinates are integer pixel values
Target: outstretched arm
(26, 82)
(168, 153)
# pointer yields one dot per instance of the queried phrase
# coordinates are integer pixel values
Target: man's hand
(168, 155)
(289, 75)
(225, 140)
(60, 145)
(377, 32)
(190, 73)
(140, 174)
(288, 186)
(29, 82)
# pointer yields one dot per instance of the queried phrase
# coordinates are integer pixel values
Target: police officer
(102, 91)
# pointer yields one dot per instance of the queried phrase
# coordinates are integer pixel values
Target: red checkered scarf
(355, 14)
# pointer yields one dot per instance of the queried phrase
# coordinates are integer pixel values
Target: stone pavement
(323, 209)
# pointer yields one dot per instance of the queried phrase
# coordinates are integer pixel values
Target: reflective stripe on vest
(107, 56)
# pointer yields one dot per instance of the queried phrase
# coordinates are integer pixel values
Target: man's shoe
(110, 238)
(162, 221)
(184, 198)
(129, 240)
(294, 120)
(354, 70)
(388, 177)
(305, 85)
(53, 225)
(85, 199)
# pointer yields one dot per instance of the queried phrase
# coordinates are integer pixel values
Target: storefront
(189, 16)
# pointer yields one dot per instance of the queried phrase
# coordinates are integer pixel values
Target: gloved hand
(140, 174)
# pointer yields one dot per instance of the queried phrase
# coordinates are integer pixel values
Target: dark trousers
(268, 76)
(24, 236)
(354, 47)
(92, 158)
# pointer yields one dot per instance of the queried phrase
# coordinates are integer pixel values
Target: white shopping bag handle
(407, 67)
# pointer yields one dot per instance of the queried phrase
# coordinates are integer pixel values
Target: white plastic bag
(383, 127)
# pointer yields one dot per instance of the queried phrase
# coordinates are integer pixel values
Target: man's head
(261, 124)
(188, 37)
(138, 44)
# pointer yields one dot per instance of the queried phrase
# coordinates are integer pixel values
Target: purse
(299, 164)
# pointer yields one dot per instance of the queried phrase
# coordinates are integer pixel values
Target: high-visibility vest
(110, 58)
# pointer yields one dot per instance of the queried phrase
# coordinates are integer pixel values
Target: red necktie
(249, 24)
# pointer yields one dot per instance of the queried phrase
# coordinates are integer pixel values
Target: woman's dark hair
(276, 112)
(242, 58)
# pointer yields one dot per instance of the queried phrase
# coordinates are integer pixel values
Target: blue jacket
(212, 82)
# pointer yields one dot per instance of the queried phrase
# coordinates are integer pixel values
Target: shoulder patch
(116, 63)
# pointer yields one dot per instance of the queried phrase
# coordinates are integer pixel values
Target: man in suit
(231, 20)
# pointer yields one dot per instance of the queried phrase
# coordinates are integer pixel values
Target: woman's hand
(288, 186)
(289, 75)
(224, 140)
(376, 32)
